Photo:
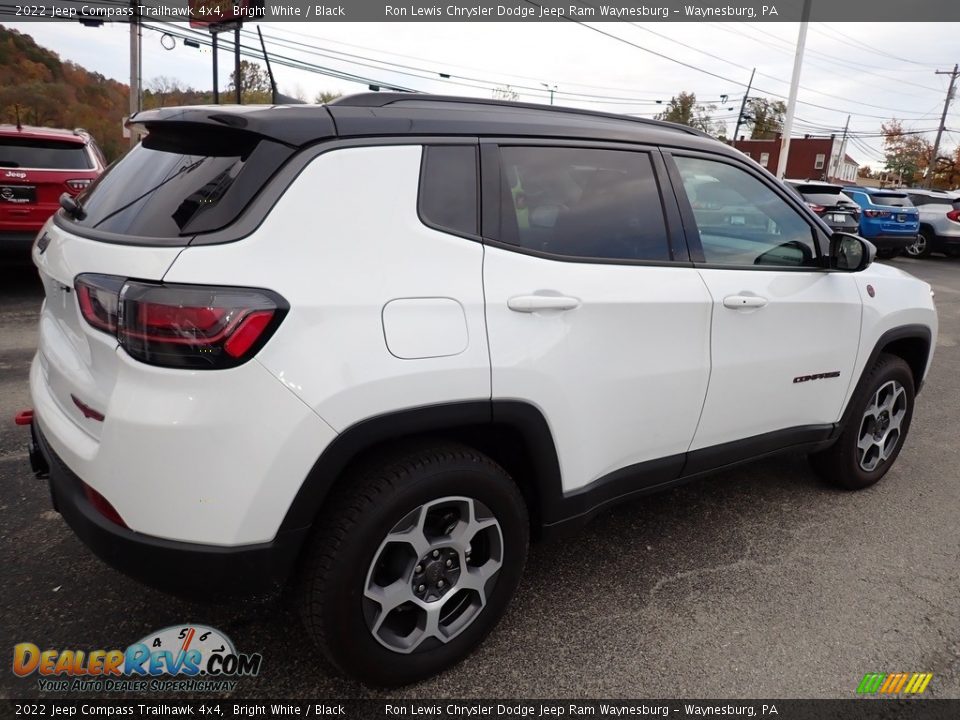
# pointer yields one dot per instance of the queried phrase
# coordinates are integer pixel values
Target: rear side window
(891, 199)
(582, 202)
(180, 184)
(449, 195)
(16, 152)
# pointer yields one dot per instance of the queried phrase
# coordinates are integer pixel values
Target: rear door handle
(536, 303)
(743, 302)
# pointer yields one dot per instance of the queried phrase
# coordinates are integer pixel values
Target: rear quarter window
(39, 154)
(180, 184)
(449, 192)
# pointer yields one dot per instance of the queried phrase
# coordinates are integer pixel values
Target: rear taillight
(183, 326)
(954, 215)
(877, 213)
(78, 185)
(816, 208)
(98, 296)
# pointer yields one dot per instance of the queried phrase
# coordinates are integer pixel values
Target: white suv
(366, 349)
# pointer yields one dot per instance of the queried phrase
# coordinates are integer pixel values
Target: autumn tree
(865, 172)
(254, 83)
(907, 155)
(325, 96)
(685, 110)
(764, 117)
(505, 92)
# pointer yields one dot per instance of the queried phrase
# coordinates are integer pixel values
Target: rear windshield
(176, 186)
(33, 154)
(891, 199)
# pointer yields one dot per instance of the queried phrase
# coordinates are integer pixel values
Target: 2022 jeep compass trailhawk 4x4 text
(367, 349)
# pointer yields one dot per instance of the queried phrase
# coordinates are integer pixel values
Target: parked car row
(38, 165)
(913, 221)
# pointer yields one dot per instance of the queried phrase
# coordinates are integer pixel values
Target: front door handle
(536, 303)
(743, 302)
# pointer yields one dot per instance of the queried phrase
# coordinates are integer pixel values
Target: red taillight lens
(78, 185)
(189, 326)
(877, 213)
(954, 215)
(816, 208)
(98, 297)
(183, 326)
(103, 506)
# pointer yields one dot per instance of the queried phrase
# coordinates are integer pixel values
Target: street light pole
(743, 108)
(794, 88)
(551, 88)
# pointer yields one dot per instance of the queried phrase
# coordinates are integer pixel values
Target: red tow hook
(24, 417)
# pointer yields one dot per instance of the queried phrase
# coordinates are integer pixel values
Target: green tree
(764, 117)
(685, 110)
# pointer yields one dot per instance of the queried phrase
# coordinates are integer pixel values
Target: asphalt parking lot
(756, 582)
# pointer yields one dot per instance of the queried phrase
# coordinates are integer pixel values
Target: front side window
(582, 202)
(740, 220)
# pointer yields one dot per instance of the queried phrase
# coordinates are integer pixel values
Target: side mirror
(850, 252)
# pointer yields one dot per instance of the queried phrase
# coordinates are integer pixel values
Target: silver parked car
(939, 222)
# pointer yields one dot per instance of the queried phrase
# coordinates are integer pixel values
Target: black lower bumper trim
(893, 242)
(186, 569)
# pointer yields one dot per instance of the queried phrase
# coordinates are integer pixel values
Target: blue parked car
(889, 220)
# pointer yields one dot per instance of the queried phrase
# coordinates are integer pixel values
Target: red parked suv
(37, 165)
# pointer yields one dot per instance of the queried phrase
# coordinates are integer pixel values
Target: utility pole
(236, 63)
(216, 71)
(743, 108)
(794, 88)
(843, 150)
(943, 121)
(134, 67)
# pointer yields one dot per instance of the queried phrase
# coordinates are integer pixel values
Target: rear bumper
(892, 242)
(187, 569)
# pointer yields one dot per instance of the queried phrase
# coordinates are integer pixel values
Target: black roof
(392, 114)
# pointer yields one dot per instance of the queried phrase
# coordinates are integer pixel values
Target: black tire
(351, 530)
(840, 464)
(924, 249)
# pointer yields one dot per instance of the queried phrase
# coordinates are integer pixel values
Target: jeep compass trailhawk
(367, 349)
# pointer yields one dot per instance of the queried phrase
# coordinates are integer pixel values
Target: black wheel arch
(514, 434)
(910, 342)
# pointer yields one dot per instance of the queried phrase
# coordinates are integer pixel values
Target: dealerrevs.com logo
(189, 658)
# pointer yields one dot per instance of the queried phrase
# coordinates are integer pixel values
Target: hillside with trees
(51, 92)
(56, 93)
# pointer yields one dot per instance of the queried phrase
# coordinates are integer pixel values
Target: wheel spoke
(389, 598)
(476, 578)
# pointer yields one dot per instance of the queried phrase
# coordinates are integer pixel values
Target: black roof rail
(383, 99)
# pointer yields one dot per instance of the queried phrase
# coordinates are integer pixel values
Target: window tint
(43, 154)
(741, 220)
(582, 202)
(891, 199)
(173, 185)
(448, 188)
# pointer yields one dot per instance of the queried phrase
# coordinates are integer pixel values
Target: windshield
(37, 154)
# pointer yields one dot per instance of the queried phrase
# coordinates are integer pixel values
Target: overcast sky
(871, 71)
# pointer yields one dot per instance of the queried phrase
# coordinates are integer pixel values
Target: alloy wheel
(432, 575)
(881, 425)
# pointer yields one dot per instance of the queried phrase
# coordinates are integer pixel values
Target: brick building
(811, 158)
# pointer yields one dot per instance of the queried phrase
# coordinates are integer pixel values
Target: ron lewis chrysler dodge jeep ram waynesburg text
(367, 349)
